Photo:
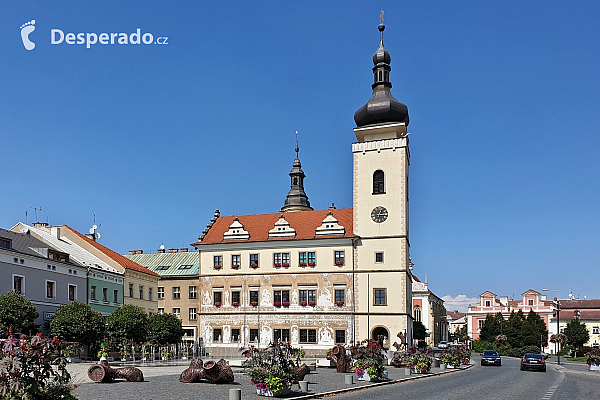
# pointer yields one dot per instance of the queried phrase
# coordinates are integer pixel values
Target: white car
(442, 345)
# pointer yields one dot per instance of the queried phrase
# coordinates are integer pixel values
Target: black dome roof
(382, 107)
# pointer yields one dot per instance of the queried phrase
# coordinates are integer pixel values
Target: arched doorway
(380, 334)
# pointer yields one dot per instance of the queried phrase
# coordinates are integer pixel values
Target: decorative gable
(282, 229)
(330, 226)
(236, 231)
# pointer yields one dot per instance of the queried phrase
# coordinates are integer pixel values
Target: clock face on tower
(379, 214)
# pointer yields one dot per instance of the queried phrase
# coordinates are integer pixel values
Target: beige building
(317, 278)
(177, 291)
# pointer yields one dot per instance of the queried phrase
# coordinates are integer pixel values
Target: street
(492, 382)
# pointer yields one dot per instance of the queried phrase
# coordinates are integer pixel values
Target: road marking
(553, 388)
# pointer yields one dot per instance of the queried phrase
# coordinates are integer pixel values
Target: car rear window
(530, 355)
(490, 353)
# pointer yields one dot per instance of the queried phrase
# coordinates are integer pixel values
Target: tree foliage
(521, 330)
(78, 322)
(576, 333)
(164, 328)
(17, 312)
(419, 330)
(127, 323)
(459, 335)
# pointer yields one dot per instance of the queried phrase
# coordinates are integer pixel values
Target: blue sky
(503, 99)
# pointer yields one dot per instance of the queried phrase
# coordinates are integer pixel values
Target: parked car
(442, 345)
(533, 361)
(491, 357)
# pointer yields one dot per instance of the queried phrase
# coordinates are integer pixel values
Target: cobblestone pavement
(163, 383)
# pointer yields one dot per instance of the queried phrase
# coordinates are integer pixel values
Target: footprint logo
(26, 29)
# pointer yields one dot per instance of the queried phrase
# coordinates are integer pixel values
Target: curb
(378, 384)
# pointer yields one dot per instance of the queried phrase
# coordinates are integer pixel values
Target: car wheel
(522, 368)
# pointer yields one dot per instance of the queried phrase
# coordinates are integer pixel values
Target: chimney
(161, 251)
(543, 298)
(183, 250)
(173, 250)
(40, 224)
(332, 206)
(139, 252)
(504, 300)
(131, 252)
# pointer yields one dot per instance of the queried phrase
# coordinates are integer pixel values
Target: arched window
(378, 182)
(417, 313)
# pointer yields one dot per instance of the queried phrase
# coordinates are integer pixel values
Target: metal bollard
(349, 379)
(235, 394)
(303, 386)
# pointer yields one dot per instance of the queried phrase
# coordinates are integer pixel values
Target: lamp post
(557, 320)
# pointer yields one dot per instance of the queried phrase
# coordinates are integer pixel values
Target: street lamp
(557, 319)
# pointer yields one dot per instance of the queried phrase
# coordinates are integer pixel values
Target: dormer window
(236, 231)
(282, 228)
(330, 226)
(5, 243)
(378, 182)
(58, 256)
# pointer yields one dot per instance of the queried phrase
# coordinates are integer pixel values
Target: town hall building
(317, 278)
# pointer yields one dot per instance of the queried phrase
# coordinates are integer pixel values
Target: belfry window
(378, 182)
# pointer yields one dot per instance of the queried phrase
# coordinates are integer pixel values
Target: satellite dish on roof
(162, 247)
(94, 226)
(97, 236)
(91, 231)
(23, 229)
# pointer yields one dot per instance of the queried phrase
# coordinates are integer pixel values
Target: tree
(17, 312)
(164, 328)
(419, 330)
(534, 329)
(459, 335)
(576, 333)
(513, 329)
(78, 322)
(127, 323)
(491, 327)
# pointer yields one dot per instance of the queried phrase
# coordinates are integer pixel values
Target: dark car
(533, 361)
(491, 357)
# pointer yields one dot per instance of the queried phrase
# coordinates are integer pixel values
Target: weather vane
(297, 149)
(381, 17)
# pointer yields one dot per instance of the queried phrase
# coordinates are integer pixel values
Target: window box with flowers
(255, 265)
(235, 266)
(285, 303)
(235, 303)
(285, 265)
(303, 303)
(312, 303)
(218, 304)
(277, 304)
(339, 263)
(312, 263)
(339, 303)
(254, 303)
(217, 266)
(277, 265)
(302, 264)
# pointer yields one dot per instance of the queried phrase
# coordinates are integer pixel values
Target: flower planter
(217, 267)
(217, 304)
(269, 393)
(277, 304)
(235, 267)
(594, 367)
(312, 303)
(285, 304)
(303, 303)
(254, 303)
(302, 264)
(277, 264)
(253, 265)
(339, 303)
(420, 371)
(235, 304)
(450, 366)
(285, 264)
(312, 264)
(339, 263)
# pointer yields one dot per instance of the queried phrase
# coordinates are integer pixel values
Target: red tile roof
(583, 314)
(258, 225)
(121, 260)
(580, 304)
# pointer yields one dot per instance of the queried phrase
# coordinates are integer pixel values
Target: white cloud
(459, 303)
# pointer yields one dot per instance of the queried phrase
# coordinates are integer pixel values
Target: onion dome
(382, 107)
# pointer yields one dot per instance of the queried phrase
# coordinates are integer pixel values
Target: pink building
(490, 304)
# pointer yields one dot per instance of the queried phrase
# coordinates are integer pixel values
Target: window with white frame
(141, 292)
(161, 310)
(176, 293)
(72, 292)
(217, 335)
(50, 289)
(236, 261)
(193, 292)
(339, 257)
(417, 313)
(308, 336)
(177, 312)
(192, 314)
(19, 284)
(150, 294)
(160, 293)
(595, 330)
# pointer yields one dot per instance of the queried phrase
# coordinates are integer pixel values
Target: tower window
(380, 76)
(378, 182)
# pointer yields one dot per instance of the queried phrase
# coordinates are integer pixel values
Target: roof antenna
(36, 209)
(93, 234)
(297, 149)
